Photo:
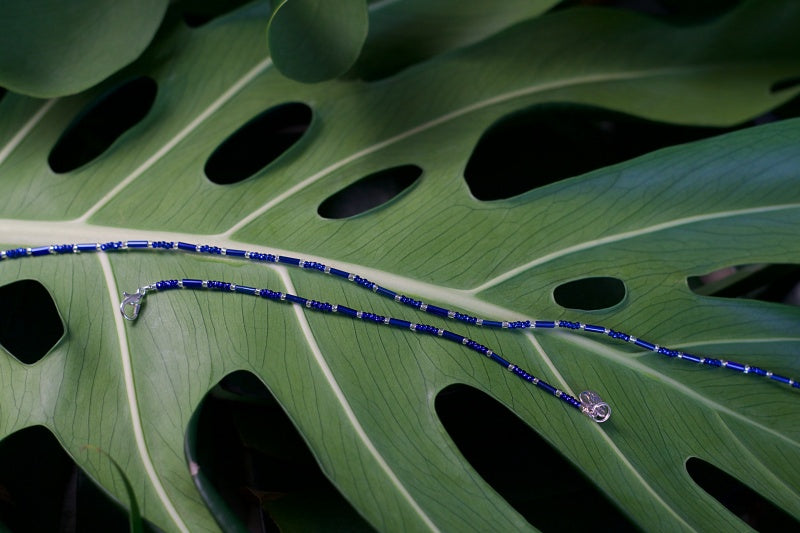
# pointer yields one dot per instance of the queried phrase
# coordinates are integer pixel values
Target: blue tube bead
(546, 386)
(296, 299)
(499, 360)
(396, 322)
(693, 358)
(187, 247)
(733, 365)
(87, 247)
(453, 336)
(340, 273)
(244, 289)
(386, 292)
(436, 310)
(233, 252)
(591, 328)
(347, 311)
(782, 379)
(288, 260)
(192, 283)
(137, 244)
(646, 345)
(544, 324)
(40, 250)
(492, 324)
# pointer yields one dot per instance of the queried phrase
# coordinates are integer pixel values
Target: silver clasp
(594, 407)
(132, 303)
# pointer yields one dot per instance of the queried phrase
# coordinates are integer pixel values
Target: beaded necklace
(588, 402)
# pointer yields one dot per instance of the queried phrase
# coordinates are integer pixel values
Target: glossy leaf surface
(361, 395)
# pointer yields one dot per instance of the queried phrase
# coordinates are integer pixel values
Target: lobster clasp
(131, 304)
(594, 407)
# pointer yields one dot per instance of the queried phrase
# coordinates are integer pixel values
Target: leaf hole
(747, 504)
(198, 13)
(369, 192)
(43, 489)
(551, 142)
(254, 469)
(30, 325)
(258, 143)
(590, 294)
(785, 84)
(515, 460)
(101, 123)
(778, 283)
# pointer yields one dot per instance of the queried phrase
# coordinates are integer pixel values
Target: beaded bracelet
(590, 403)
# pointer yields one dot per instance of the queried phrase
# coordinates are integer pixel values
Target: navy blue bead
(735, 366)
(111, 246)
(346, 311)
(568, 325)
(192, 283)
(296, 299)
(405, 324)
(436, 310)
(499, 360)
(758, 371)
(186, 246)
(544, 324)
(796, 385)
(386, 292)
(87, 247)
(492, 324)
(235, 253)
(340, 273)
(546, 386)
(136, 244)
(644, 344)
(244, 289)
(594, 329)
(692, 358)
(453, 336)
(713, 362)
(41, 250)
(782, 379)
(63, 248)
(15, 253)
(288, 260)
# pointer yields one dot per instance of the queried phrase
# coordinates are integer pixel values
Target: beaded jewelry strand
(590, 403)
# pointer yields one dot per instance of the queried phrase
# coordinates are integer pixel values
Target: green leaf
(314, 40)
(362, 395)
(406, 32)
(52, 48)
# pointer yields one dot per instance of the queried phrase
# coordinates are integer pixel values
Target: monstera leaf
(361, 395)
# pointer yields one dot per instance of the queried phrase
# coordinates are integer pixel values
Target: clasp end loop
(131, 304)
(594, 407)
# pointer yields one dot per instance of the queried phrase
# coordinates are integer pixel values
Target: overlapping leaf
(362, 395)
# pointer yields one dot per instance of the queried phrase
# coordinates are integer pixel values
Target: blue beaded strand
(325, 307)
(113, 246)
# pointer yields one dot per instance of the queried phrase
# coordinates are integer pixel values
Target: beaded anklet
(590, 403)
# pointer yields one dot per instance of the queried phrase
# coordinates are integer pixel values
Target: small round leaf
(312, 41)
